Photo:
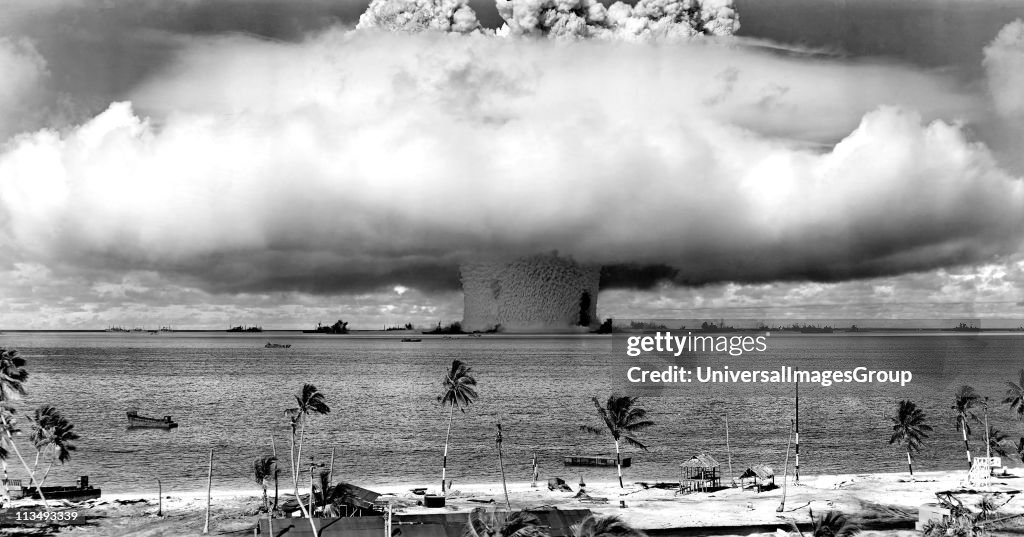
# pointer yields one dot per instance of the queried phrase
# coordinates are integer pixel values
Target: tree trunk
(14, 447)
(266, 501)
(444, 461)
(501, 466)
(46, 473)
(295, 476)
(277, 472)
(910, 462)
(618, 463)
(291, 453)
(966, 447)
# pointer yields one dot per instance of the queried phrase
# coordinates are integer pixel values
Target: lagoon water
(228, 393)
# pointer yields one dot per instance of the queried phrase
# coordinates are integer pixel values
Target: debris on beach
(557, 483)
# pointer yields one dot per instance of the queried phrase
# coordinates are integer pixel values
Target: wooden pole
(209, 492)
(534, 483)
(789, 441)
(273, 445)
(728, 450)
(160, 498)
(796, 467)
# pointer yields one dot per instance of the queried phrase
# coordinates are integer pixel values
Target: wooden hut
(699, 474)
(762, 476)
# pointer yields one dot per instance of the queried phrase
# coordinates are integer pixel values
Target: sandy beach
(865, 497)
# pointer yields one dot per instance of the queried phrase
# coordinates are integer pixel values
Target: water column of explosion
(542, 292)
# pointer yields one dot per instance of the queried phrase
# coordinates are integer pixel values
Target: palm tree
(8, 428)
(997, 442)
(1015, 395)
(12, 386)
(964, 400)
(310, 401)
(831, 524)
(52, 432)
(908, 427)
(262, 469)
(482, 523)
(458, 390)
(622, 417)
(607, 526)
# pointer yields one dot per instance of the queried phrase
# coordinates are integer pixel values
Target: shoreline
(889, 499)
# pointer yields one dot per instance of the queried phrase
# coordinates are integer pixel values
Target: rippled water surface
(227, 392)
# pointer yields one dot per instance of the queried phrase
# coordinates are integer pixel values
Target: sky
(207, 163)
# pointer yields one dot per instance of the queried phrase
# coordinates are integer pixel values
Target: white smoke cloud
(357, 160)
(420, 15)
(661, 20)
(1004, 63)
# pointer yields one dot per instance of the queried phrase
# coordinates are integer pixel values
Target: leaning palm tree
(605, 526)
(263, 468)
(310, 401)
(909, 428)
(12, 386)
(1015, 395)
(622, 418)
(53, 435)
(963, 401)
(458, 390)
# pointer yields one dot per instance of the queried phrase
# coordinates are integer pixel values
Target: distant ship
(964, 327)
(241, 328)
(340, 327)
(117, 329)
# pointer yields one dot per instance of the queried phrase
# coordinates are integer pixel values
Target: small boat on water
(137, 421)
(270, 345)
(411, 340)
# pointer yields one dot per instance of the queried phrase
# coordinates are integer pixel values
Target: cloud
(662, 20)
(1004, 64)
(420, 15)
(24, 71)
(356, 161)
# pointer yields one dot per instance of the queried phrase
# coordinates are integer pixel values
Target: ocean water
(228, 393)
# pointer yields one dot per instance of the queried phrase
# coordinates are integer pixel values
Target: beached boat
(270, 345)
(582, 460)
(80, 492)
(137, 421)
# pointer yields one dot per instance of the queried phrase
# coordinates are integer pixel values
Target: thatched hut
(700, 473)
(762, 476)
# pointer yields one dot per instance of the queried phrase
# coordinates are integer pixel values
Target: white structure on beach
(536, 293)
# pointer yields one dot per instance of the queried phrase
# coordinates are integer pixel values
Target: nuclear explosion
(536, 293)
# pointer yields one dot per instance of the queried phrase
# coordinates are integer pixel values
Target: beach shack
(699, 474)
(762, 477)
